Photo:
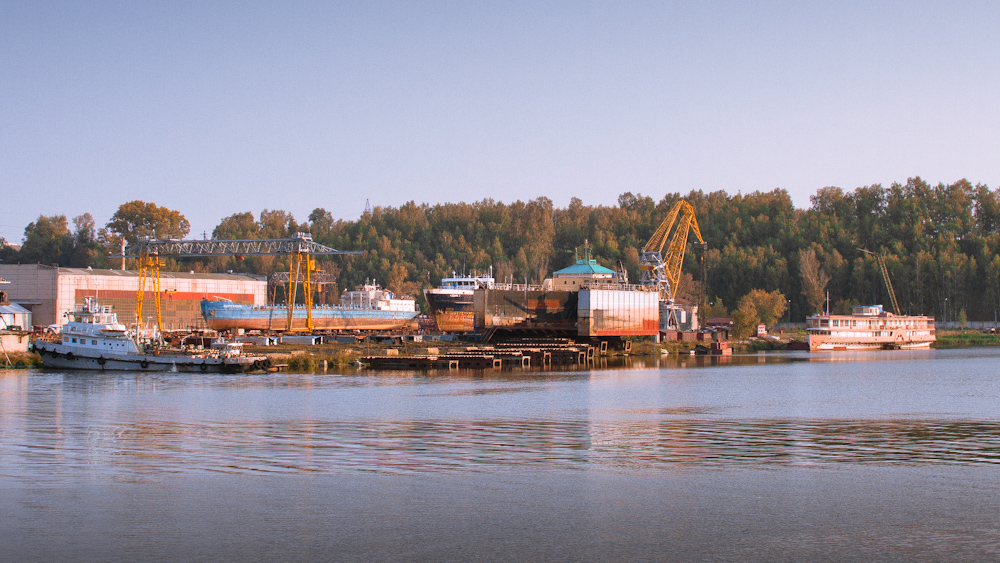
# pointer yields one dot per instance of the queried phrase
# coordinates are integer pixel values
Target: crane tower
(662, 270)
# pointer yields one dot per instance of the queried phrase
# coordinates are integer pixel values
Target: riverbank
(302, 358)
(964, 338)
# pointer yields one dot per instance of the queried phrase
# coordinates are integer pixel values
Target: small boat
(94, 339)
(868, 327)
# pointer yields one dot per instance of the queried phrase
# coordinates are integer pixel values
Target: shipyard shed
(14, 317)
(49, 292)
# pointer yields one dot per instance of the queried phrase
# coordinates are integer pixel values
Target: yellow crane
(665, 270)
(300, 248)
(880, 258)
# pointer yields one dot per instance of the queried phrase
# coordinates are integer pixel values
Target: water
(875, 455)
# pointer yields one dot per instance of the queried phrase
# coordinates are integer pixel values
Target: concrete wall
(14, 342)
(32, 286)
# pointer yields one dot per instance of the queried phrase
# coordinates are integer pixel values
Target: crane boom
(665, 271)
(885, 277)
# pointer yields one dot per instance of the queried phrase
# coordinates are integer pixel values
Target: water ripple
(404, 446)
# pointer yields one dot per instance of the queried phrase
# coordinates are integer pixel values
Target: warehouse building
(50, 292)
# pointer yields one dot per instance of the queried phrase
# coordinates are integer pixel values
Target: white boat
(869, 327)
(94, 339)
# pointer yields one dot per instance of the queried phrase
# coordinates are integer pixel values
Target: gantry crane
(300, 248)
(665, 271)
(885, 277)
(319, 278)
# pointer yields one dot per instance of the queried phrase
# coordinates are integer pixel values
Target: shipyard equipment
(299, 248)
(664, 271)
(880, 258)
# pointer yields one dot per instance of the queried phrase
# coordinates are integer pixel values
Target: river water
(786, 456)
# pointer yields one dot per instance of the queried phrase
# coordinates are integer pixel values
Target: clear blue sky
(213, 108)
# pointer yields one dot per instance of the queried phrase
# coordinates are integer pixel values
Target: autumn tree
(758, 307)
(237, 226)
(140, 219)
(814, 280)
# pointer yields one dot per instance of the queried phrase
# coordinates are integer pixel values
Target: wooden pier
(505, 355)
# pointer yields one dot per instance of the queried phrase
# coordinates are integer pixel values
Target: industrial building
(49, 292)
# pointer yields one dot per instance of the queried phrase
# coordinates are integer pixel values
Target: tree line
(940, 244)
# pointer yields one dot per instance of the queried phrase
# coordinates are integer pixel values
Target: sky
(214, 108)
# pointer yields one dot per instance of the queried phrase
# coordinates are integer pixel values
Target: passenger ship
(869, 327)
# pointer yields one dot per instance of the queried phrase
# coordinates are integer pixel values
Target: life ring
(144, 364)
(203, 366)
(257, 365)
(101, 361)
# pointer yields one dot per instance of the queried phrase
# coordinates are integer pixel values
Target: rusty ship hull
(453, 311)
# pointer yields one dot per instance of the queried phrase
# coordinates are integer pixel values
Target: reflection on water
(788, 457)
(656, 413)
(477, 445)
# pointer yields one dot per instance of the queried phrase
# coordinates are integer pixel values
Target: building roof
(585, 268)
(178, 275)
(13, 309)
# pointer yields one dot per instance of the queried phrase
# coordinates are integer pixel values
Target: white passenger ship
(94, 339)
(869, 327)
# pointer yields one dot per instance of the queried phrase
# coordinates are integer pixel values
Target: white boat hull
(828, 345)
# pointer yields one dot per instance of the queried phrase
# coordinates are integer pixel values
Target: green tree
(47, 241)
(8, 254)
(87, 249)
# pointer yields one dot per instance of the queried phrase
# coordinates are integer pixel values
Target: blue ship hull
(225, 315)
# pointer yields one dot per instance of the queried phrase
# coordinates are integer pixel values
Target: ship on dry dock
(452, 303)
(368, 307)
(584, 300)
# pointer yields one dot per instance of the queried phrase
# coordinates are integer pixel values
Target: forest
(940, 244)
